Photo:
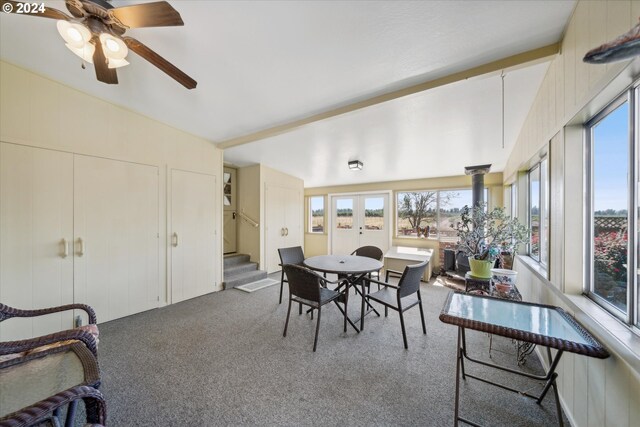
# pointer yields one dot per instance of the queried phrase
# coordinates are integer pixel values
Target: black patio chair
(309, 288)
(293, 255)
(401, 297)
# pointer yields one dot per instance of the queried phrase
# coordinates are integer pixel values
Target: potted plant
(486, 235)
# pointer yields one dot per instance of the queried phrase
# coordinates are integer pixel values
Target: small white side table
(398, 257)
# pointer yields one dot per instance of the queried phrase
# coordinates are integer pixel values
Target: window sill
(619, 338)
(533, 265)
(416, 238)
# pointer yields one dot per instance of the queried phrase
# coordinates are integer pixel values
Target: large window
(422, 214)
(539, 212)
(316, 214)
(611, 149)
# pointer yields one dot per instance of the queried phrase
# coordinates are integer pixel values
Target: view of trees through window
(422, 214)
(610, 160)
(316, 207)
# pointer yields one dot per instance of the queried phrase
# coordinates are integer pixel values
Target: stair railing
(248, 219)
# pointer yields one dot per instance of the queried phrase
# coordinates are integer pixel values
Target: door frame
(330, 197)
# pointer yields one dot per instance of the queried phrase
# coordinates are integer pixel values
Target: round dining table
(354, 268)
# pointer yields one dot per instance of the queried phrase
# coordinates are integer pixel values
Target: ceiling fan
(96, 30)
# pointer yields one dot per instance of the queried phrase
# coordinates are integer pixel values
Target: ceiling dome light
(355, 165)
(114, 47)
(75, 34)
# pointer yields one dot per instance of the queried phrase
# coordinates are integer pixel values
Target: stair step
(236, 269)
(244, 278)
(235, 259)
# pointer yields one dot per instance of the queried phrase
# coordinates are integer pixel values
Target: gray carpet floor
(221, 359)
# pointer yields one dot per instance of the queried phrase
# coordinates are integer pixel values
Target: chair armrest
(382, 283)
(7, 312)
(394, 272)
(96, 410)
(87, 338)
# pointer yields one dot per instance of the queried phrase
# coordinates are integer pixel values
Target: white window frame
(543, 206)
(310, 215)
(631, 316)
(487, 195)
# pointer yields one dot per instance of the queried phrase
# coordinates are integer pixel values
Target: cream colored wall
(317, 243)
(249, 195)
(594, 392)
(252, 181)
(39, 112)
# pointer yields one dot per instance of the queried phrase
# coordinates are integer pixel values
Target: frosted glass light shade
(117, 63)
(113, 47)
(85, 52)
(76, 35)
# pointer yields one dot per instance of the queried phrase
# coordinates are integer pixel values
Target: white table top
(410, 254)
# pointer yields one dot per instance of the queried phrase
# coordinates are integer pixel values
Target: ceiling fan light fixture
(114, 47)
(117, 63)
(85, 52)
(75, 34)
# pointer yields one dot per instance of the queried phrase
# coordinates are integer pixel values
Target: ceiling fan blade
(41, 11)
(103, 72)
(170, 69)
(75, 7)
(157, 14)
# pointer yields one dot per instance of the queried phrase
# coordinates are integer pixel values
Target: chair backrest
(370, 252)
(410, 280)
(303, 282)
(292, 255)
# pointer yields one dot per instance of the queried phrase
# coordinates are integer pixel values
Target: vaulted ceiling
(265, 64)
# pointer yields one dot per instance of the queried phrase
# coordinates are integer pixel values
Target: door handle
(286, 231)
(65, 248)
(233, 215)
(80, 246)
(175, 239)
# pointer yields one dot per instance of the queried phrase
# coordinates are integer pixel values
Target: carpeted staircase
(239, 270)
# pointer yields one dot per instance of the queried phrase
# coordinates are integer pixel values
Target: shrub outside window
(610, 149)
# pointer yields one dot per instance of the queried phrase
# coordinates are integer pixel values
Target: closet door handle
(175, 240)
(65, 248)
(282, 231)
(286, 231)
(80, 246)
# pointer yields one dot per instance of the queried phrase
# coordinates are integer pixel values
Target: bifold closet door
(283, 216)
(36, 229)
(116, 240)
(192, 235)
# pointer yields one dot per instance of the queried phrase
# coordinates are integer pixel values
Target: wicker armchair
(401, 297)
(308, 288)
(39, 375)
(293, 255)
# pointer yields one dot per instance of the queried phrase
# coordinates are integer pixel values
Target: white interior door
(36, 231)
(192, 234)
(359, 220)
(275, 200)
(116, 236)
(283, 216)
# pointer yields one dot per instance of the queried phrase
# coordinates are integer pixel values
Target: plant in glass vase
(486, 235)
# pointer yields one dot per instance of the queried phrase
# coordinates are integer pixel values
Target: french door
(359, 220)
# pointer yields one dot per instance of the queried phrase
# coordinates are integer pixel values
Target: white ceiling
(260, 64)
